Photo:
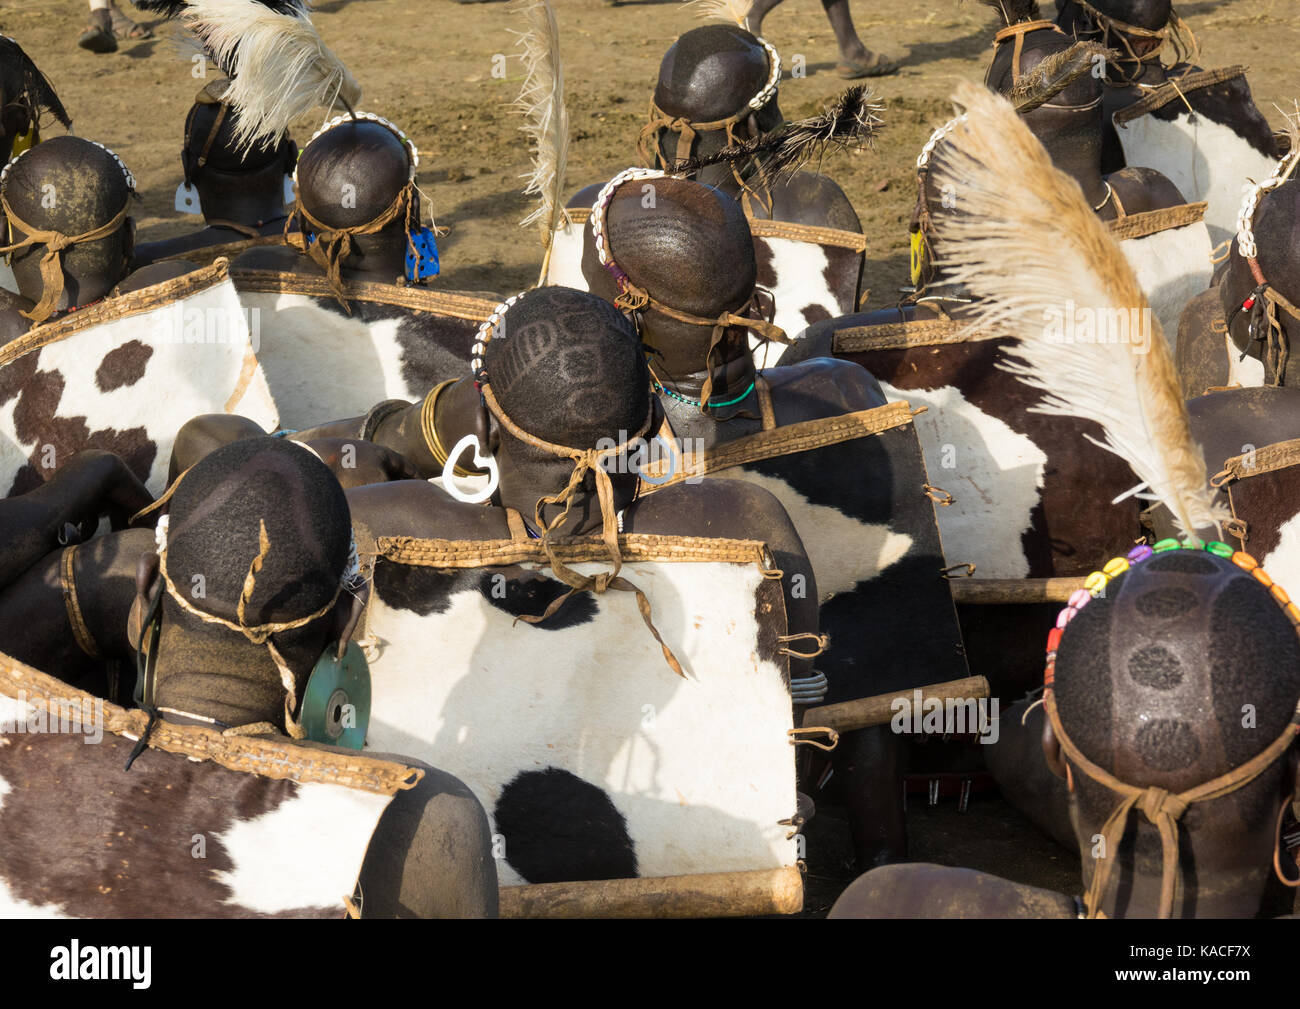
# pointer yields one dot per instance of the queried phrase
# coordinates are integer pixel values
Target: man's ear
(1052, 750)
(147, 583)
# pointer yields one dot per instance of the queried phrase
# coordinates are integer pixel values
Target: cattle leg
(869, 764)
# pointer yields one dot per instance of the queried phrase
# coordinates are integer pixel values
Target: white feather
(280, 66)
(546, 120)
(723, 10)
(1025, 242)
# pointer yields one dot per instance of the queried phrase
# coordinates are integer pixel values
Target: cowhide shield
(857, 490)
(1204, 133)
(1030, 495)
(124, 375)
(813, 273)
(322, 362)
(202, 826)
(1262, 489)
(1171, 252)
(593, 759)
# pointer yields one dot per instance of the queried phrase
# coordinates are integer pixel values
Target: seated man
(1178, 764)
(358, 208)
(717, 88)
(239, 191)
(1162, 115)
(570, 371)
(247, 582)
(68, 203)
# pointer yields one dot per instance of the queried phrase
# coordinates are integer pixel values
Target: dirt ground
(427, 64)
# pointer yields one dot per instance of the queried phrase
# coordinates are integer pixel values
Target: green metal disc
(336, 703)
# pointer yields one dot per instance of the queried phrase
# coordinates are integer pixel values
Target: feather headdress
(279, 67)
(1014, 11)
(849, 122)
(24, 84)
(546, 120)
(723, 10)
(1025, 242)
(1055, 73)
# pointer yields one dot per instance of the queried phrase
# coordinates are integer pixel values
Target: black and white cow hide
(322, 362)
(592, 757)
(124, 375)
(174, 837)
(1031, 496)
(860, 504)
(813, 273)
(1171, 253)
(1251, 441)
(1204, 133)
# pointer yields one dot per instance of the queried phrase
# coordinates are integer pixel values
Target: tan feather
(1057, 72)
(546, 120)
(1025, 242)
(723, 10)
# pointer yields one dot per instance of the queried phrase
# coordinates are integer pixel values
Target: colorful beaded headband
(369, 117)
(486, 330)
(1095, 585)
(126, 172)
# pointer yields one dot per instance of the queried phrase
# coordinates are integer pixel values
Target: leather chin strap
(333, 245)
(636, 299)
(647, 144)
(1176, 30)
(55, 242)
(584, 461)
(1162, 808)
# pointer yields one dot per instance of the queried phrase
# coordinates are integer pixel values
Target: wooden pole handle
(867, 711)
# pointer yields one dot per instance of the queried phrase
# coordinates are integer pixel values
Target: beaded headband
(486, 330)
(936, 138)
(369, 117)
(126, 172)
(773, 76)
(1095, 585)
(1254, 193)
(600, 207)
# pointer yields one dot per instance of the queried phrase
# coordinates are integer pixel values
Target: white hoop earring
(449, 472)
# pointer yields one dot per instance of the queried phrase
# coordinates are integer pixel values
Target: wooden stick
(988, 591)
(706, 895)
(867, 711)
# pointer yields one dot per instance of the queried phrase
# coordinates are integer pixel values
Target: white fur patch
(1204, 159)
(1283, 561)
(800, 283)
(7, 280)
(700, 768)
(1172, 267)
(841, 550)
(994, 474)
(565, 268)
(184, 375)
(1247, 372)
(305, 853)
(315, 358)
